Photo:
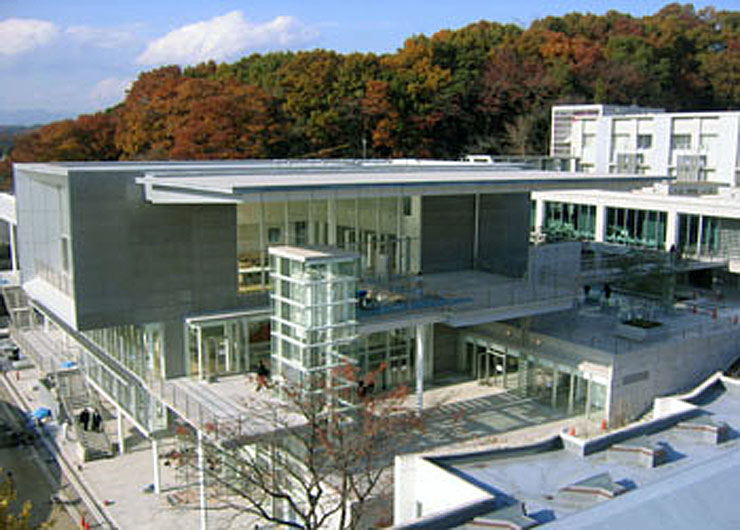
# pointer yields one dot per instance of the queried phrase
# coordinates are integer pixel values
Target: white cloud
(224, 37)
(109, 91)
(101, 37)
(19, 35)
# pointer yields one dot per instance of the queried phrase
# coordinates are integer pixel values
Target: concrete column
(311, 228)
(286, 225)
(699, 234)
(476, 231)
(121, 440)
(155, 465)
(600, 224)
(421, 344)
(13, 250)
(264, 261)
(571, 393)
(199, 338)
(671, 230)
(539, 215)
(331, 219)
(202, 478)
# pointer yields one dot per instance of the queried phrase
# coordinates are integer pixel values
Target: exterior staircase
(74, 396)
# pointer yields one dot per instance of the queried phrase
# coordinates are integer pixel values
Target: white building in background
(697, 213)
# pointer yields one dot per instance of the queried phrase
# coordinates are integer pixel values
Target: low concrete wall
(422, 488)
(668, 367)
(585, 447)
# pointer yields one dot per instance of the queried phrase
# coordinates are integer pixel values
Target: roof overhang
(281, 184)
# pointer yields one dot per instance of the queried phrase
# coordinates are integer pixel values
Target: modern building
(695, 213)
(163, 280)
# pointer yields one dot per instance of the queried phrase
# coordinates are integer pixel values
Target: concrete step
(96, 444)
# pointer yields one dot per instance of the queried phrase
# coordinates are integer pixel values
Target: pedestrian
(97, 420)
(263, 373)
(85, 418)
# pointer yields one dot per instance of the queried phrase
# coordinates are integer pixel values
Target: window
(644, 141)
(681, 141)
(65, 254)
(273, 235)
(407, 206)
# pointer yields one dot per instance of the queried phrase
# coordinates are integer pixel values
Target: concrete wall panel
(136, 262)
(504, 233)
(447, 228)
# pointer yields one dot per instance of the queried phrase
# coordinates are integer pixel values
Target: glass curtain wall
(559, 386)
(227, 346)
(699, 235)
(385, 232)
(313, 324)
(140, 348)
(570, 221)
(641, 228)
(390, 355)
(126, 391)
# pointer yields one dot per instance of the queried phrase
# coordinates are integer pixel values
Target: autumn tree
(439, 96)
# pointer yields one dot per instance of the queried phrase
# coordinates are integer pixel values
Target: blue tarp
(41, 413)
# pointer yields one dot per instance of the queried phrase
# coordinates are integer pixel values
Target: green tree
(9, 520)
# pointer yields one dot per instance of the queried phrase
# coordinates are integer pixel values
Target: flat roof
(313, 254)
(695, 488)
(199, 182)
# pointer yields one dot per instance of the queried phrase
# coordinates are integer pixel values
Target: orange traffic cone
(603, 424)
(572, 431)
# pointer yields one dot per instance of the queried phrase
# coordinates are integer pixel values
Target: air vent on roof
(638, 451)
(705, 429)
(594, 489)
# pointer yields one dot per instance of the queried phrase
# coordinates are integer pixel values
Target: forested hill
(487, 87)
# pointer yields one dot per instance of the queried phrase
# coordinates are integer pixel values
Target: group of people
(90, 421)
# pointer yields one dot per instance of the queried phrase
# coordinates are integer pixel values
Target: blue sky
(74, 56)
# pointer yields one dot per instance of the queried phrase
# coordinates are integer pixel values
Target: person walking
(85, 418)
(97, 420)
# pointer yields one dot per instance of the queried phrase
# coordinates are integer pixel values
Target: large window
(565, 221)
(681, 141)
(642, 228)
(699, 234)
(384, 231)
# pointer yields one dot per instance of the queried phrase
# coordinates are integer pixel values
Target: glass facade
(385, 232)
(529, 374)
(391, 354)
(569, 221)
(222, 346)
(641, 228)
(313, 329)
(140, 348)
(699, 235)
(130, 393)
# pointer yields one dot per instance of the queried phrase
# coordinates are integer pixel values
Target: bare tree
(311, 460)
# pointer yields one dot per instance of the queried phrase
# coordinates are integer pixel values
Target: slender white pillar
(155, 465)
(199, 338)
(600, 224)
(331, 217)
(121, 439)
(539, 215)
(202, 475)
(13, 250)
(421, 343)
(476, 232)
